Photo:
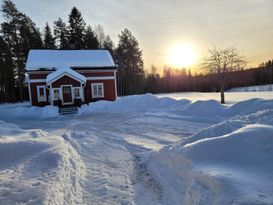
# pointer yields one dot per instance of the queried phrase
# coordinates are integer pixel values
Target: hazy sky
(158, 24)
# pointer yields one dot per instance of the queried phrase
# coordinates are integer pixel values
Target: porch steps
(68, 110)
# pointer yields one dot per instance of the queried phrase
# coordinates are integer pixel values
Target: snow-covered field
(165, 149)
(257, 88)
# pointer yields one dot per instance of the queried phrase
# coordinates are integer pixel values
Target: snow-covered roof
(64, 70)
(49, 59)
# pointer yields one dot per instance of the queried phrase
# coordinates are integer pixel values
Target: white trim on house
(83, 91)
(39, 71)
(38, 93)
(115, 75)
(91, 71)
(29, 89)
(93, 85)
(101, 78)
(37, 80)
(72, 97)
(76, 77)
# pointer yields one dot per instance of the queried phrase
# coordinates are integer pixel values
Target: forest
(19, 34)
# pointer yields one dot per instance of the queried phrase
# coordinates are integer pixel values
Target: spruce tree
(76, 28)
(131, 76)
(108, 44)
(49, 41)
(90, 39)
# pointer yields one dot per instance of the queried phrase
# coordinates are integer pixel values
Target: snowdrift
(25, 111)
(36, 168)
(152, 105)
(228, 163)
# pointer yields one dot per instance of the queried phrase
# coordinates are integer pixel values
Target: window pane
(95, 92)
(77, 92)
(66, 90)
(41, 90)
(56, 94)
(99, 90)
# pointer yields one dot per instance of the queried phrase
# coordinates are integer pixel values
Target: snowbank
(36, 168)
(228, 163)
(25, 111)
(152, 105)
(129, 104)
(257, 88)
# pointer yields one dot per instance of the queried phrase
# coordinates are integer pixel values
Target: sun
(182, 55)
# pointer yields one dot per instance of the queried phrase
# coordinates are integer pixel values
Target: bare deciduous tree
(99, 31)
(221, 62)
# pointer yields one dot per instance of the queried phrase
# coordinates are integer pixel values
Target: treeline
(181, 80)
(19, 34)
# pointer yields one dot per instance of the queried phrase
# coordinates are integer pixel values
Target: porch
(66, 88)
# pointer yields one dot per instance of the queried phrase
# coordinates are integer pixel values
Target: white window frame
(80, 92)
(38, 93)
(102, 90)
(53, 89)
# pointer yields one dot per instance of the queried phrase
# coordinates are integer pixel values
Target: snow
(25, 111)
(37, 168)
(62, 70)
(257, 88)
(48, 59)
(145, 149)
(233, 168)
(231, 97)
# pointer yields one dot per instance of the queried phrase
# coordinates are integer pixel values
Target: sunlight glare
(182, 55)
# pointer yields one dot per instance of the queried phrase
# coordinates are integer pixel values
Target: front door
(67, 94)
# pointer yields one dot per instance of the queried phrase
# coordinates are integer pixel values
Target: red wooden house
(70, 77)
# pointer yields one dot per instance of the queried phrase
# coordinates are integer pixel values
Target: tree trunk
(222, 95)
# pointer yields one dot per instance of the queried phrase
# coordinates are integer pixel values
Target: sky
(159, 25)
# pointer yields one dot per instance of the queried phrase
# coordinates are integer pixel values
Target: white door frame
(72, 96)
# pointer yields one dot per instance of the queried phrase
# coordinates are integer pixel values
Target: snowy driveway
(110, 147)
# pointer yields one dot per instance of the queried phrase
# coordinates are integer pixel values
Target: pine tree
(108, 44)
(76, 28)
(90, 39)
(7, 81)
(61, 33)
(49, 41)
(131, 76)
(21, 34)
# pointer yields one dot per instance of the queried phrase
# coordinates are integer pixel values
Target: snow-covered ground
(231, 97)
(140, 150)
(257, 88)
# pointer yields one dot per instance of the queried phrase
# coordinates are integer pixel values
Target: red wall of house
(109, 90)
(109, 86)
(34, 95)
(38, 75)
(65, 80)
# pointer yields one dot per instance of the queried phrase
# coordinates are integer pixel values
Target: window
(41, 93)
(97, 90)
(56, 94)
(77, 93)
